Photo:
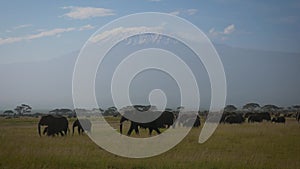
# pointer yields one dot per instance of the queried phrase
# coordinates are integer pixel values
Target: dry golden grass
(247, 146)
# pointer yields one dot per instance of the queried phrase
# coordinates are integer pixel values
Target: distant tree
(251, 106)
(111, 111)
(296, 107)
(180, 108)
(23, 108)
(230, 108)
(270, 107)
(168, 109)
(62, 111)
(8, 113)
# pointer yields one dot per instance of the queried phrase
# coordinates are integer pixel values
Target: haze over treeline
(258, 76)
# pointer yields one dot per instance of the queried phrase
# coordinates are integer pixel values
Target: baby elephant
(83, 125)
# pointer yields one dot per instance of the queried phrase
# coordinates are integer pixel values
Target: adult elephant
(255, 118)
(165, 120)
(265, 116)
(259, 117)
(234, 118)
(55, 125)
(298, 117)
(279, 119)
(82, 125)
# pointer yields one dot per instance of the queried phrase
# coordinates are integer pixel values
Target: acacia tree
(8, 113)
(251, 106)
(111, 111)
(23, 108)
(296, 107)
(62, 111)
(270, 107)
(230, 108)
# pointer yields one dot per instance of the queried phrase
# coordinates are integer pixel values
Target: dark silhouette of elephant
(82, 125)
(197, 122)
(279, 119)
(234, 118)
(225, 115)
(259, 117)
(298, 117)
(254, 118)
(165, 120)
(55, 125)
(265, 116)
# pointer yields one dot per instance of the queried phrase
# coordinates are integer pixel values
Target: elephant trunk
(39, 129)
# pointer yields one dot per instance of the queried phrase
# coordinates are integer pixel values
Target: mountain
(252, 76)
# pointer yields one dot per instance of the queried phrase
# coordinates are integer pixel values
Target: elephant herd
(251, 118)
(165, 120)
(56, 125)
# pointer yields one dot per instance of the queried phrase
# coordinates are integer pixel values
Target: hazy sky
(32, 31)
(35, 30)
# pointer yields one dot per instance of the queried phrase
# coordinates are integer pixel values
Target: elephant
(197, 122)
(259, 117)
(298, 117)
(55, 125)
(234, 118)
(226, 114)
(165, 120)
(82, 125)
(265, 116)
(254, 118)
(279, 119)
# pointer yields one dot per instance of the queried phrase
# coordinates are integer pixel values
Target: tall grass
(247, 146)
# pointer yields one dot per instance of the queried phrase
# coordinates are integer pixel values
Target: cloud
(52, 32)
(86, 27)
(87, 12)
(192, 11)
(44, 33)
(222, 34)
(22, 26)
(184, 12)
(18, 27)
(116, 33)
(229, 29)
(10, 40)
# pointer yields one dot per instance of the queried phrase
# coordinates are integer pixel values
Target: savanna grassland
(244, 146)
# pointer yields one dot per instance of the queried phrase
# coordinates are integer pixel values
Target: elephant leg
(61, 133)
(157, 130)
(150, 131)
(45, 130)
(136, 129)
(130, 130)
(79, 130)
